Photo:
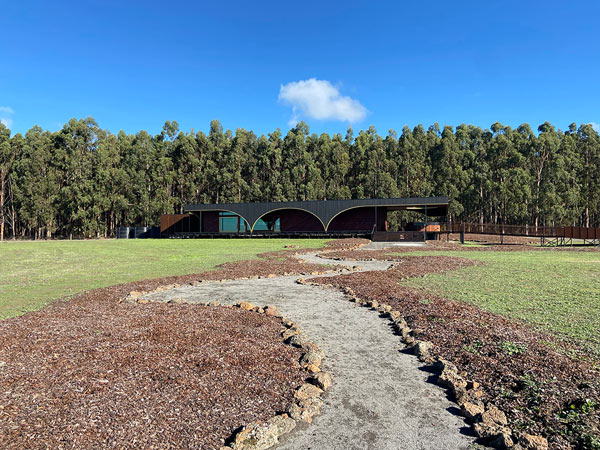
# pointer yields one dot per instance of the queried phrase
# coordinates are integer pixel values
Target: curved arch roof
(326, 210)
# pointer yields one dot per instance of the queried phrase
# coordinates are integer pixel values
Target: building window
(231, 223)
(267, 224)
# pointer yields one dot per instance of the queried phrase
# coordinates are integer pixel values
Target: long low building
(357, 216)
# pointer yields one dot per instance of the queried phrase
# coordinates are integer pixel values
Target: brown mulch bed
(396, 253)
(517, 367)
(93, 372)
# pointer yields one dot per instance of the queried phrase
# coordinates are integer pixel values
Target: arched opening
(223, 221)
(363, 218)
(288, 220)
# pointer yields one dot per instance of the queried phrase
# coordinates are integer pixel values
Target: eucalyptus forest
(83, 181)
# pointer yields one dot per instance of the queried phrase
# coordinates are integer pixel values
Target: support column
(425, 230)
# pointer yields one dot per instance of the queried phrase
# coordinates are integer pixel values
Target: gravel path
(380, 398)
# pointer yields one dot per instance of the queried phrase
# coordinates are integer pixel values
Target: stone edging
(307, 403)
(261, 435)
(488, 422)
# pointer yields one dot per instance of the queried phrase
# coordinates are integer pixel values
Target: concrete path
(380, 398)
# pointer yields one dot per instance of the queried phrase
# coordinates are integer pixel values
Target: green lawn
(32, 274)
(554, 291)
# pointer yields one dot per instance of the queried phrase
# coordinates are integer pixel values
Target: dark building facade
(360, 216)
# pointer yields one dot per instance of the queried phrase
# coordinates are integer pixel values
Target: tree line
(83, 181)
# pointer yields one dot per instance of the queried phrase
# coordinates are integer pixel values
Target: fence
(585, 233)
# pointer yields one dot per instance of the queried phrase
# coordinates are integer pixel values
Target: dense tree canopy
(84, 181)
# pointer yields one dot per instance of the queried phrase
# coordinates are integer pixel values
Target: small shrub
(511, 348)
(573, 417)
(507, 393)
(589, 442)
(474, 347)
(532, 391)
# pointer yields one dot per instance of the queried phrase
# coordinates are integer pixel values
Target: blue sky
(262, 65)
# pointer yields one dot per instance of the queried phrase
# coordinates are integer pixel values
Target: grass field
(33, 274)
(554, 291)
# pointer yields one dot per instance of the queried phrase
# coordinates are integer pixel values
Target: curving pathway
(380, 398)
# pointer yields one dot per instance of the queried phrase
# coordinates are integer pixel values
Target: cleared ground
(33, 274)
(557, 291)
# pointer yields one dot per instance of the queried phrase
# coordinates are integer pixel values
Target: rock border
(261, 435)
(487, 421)
(138, 296)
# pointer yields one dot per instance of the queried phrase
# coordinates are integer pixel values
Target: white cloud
(5, 116)
(319, 99)
(595, 126)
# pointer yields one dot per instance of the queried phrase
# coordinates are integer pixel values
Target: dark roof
(326, 210)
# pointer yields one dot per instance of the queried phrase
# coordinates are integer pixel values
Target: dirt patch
(540, 390)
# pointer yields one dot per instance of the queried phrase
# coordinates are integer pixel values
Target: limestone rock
(300, 414)
(493, 414)
(471, 396)
(177, 301)
(451, 379)
(471, 410)
(135, 294)
(261, 436)
(409, 340)
(314, 355)
(503, 441)
(312, 405)
(283, 423)
(247, 306)
(531, 442)
(307, 391)
(323, 380)
(298, 340)
(289, 333)
(215, 303)
(405, 332)
(395, 316)
(272, 311)
(422, 349)
(312, 368)
(306, 409)
(489, 430)
(290, 324)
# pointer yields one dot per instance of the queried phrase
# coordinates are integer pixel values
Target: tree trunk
(2, 185)
(14, 214)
